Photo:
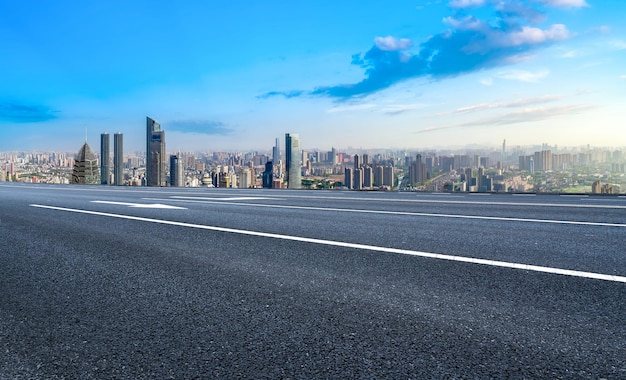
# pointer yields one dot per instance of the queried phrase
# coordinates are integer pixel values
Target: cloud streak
(26, 113)
(525, 115)
(204, 127)
(524, 76)
(564, 3)
(470, 44)
(460, 4)
(513, 104)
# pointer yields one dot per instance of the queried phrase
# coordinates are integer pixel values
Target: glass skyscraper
(155, 154)
(293, 161)
(176, 171)
(104, 158)
(118, 159)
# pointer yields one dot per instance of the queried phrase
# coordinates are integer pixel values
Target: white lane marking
(437, 201)
(141, 205)
(501, 264)
(455, 216)
(283, 194)
(441, 195)
(237, 198)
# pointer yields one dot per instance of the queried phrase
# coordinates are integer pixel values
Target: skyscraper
(268, 175)
(348, 177)
(86, 167)
(368, 176)
(118, 159)
(293, 164)
(276, 152)
(155, 154)
(104, 158)
(176, 171)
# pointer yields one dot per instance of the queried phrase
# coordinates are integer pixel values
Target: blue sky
(234, 75)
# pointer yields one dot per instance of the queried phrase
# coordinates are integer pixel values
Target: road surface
(119, 282)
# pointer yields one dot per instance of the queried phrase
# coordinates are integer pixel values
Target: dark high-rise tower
(104, 158)
(118, 159)
(293, 163)
(155, 154)
(176, 171)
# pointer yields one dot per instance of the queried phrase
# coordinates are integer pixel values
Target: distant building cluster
(366, 176)
(599, 188)
(289, 166)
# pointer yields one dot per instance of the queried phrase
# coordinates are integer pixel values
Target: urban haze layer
(535, 169)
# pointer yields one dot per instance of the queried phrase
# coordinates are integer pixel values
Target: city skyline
(407, 75)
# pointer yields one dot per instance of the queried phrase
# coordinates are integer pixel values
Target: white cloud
(518, 58)
(524, 76)
(466, 3)
(512, 104)
(530, 36)
(526, 36)
(487, 82)
(622, 77)
(564, 3)
(394, 109)
(466, 23)
(389, 109)
(390, 43)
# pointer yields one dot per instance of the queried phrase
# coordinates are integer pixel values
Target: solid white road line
(405, 213)
(436, 201)
(502, 264)
(345, 196)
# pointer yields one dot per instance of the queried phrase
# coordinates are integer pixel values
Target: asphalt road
(217, 283)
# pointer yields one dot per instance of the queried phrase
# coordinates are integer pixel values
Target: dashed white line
(501, 264)
(141, 205)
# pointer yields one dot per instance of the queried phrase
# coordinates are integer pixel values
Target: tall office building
(358, 179)
(176, 171)
(268, 175)
(388, 177)
(276, 152)
(86, 170)
(118, 159)
(348, 177)
(417, 171)
(155, 154)
(104, 158)
(368, 176)
(293, 164)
